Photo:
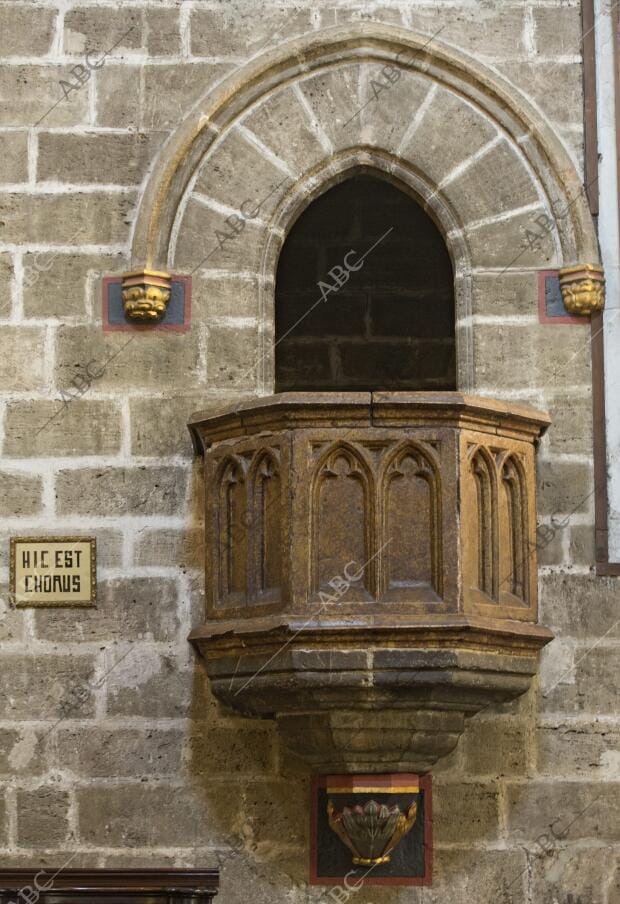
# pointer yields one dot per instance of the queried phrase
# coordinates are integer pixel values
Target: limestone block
(122, 491)
(90, 218)
(22, 362)
(62, 284)
(52, 428)
(13, 152)
(43, 817)
(20, 494)
(50, 687)
(239, 32)
(115, 361)
(26, 30)
(119, 752)
(33, 94)
(127, 609)
(90, 158)
(448, 133)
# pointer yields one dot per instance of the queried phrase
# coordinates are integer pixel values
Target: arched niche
(259, 147)
(364, 295)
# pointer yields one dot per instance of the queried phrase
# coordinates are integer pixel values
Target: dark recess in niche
(391, 325)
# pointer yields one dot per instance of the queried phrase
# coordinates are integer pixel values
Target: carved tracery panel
(232, 524)
(485, 522)
(342, 518)
(513, 516)
(411, 541)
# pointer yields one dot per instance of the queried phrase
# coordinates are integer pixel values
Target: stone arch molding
(477, 155)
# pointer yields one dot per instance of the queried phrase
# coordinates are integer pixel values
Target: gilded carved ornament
(145, 295)
(583, 289)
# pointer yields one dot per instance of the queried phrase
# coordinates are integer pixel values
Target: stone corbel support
(146, 294)
(583, 289)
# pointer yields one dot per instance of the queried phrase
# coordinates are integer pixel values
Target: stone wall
(111, 745)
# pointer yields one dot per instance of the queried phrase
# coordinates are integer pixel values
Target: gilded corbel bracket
(146, 294)
(583, 289)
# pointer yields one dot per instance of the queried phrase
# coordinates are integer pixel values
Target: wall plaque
(53, 571)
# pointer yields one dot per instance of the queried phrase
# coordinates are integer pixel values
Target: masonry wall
(111, 748)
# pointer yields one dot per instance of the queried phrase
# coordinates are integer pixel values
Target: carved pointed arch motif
(522, 171)
(515, 558)
(342, 516)
(266, 529)
(410, 501)
(485, 534)
(371, 45)
(231, 528)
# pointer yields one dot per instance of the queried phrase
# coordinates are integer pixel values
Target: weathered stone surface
(496, 746)
(562, 606)
(297, 145)
(272, 813)
(162, 32)
(334, 97)
(6, 277)
(12, 626)
(22, 362)
(581, 544)
(556, 87)
(496, 182)
(427, 145)
(545, 358)
(563, 811)
(230, 296)
(237, 32)
(22, 752)
(573, 876)
(33, 95)
(130, 815)
(77, 273)
(515, 245)
(564, 488)
(148, 684)
(42, 817)
(482, 31)
(177, 548)
(571, 424)
(477, 876)
(169, 91)
(233, 358)
(389, 100)
(206, 239)
(50, 687)
(118, 92)
(26, 30)
(92, 218)
(13, 152)
(53, 428)
(465, 811)
(583, 749)
(97, 29)
(20, 494)
(505, 294)
(91, 157)
(127, 609)
(233, 750)
(119, 753)
(591, 685)
(122, 491)
(116, 360)
(238, 175)
(557, 31)
(147, 437)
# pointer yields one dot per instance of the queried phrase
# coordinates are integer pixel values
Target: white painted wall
(610, 250)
